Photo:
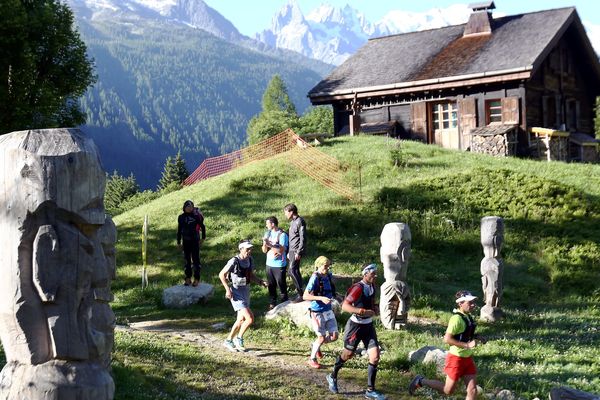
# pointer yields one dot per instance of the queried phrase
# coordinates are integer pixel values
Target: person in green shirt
(460, 335)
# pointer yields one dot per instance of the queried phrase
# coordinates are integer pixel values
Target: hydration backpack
(237, 269)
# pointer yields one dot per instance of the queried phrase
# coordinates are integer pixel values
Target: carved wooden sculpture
(395, 293)
(492, 238)
(57, 261)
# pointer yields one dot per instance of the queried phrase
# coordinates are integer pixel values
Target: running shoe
(229, 344)
(239, 344)
(187, 282)
(319, 354)
(195, 283)
(372, 394)
(415, 384)
(313, 363)
(332, 382)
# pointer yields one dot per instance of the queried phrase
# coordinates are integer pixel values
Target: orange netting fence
(314, 163)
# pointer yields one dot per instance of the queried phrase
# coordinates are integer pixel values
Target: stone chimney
(480, 21)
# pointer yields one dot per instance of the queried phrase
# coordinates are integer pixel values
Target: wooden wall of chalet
(559, 92)
(414, 115)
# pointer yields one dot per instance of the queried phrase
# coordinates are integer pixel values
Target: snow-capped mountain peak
(321, 14)
(332, 34)
(290, 14)
(163, 7)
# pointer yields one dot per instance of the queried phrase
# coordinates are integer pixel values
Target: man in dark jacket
(297, 237)
(189, 225)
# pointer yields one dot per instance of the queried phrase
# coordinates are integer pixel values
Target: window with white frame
(445, 116)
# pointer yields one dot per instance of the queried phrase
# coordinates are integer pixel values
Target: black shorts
(356, 333)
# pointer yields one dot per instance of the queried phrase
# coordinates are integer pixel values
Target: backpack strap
(235, 267)
(331, 284)
(469, 332)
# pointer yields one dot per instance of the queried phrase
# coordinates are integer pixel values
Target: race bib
(327, 315)
(239, 281)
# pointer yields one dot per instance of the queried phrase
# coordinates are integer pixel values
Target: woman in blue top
(320, 290)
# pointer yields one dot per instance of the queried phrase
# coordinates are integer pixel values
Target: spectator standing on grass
(236, 276)
(320, 290)
(275, 245)
(460, 335)
(297, 235)
(360, 301)
(191, 232)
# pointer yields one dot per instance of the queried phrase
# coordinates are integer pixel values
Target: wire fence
(319, 166)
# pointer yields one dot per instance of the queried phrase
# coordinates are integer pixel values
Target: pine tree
(174, 172)
(276, 98)
(119, 189)
(278, 113)
(44, 67)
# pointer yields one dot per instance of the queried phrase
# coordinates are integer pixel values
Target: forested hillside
(164, 87)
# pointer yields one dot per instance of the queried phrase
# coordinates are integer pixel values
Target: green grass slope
(551, 256)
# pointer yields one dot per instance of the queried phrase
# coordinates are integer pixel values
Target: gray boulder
(505, 394)
(417, 356)
(429, 354)
(436, 356)
(297, 312)
(181, 296)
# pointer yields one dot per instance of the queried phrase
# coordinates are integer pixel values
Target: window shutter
(510, 110)
(467, 111)
(419, 120)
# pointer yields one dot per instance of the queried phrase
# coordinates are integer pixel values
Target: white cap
(245, 245)
(369, 268)
(466, 296)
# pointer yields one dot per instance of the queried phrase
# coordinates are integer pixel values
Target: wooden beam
(437, 86)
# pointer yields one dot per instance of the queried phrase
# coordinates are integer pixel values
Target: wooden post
(355, 107)
(145, 253)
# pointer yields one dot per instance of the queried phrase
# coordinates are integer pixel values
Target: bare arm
(449, 339)
(363, 312)
(309, 296)
(257, 280)
(223, 278)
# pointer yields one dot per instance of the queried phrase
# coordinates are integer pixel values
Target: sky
(250, 17)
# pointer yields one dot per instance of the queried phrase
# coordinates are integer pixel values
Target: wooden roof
(442, 57)
(492, 130)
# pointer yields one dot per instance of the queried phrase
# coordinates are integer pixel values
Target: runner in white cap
(239, 272)
(460, 335)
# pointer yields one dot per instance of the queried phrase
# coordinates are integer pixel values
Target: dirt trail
(214, 345)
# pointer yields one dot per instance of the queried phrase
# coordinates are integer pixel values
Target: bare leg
(247, 320)
(316, 346)
(236, 326)
(444, 388)
(331, 338)
(471, 384)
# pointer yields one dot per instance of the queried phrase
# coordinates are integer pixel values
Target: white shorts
(321, 325)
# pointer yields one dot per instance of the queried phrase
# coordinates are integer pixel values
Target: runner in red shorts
(460, 335)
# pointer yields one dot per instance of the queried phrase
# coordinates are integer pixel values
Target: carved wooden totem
(57, 262)
(492, 238)
(395, 293)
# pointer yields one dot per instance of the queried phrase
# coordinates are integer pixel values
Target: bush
(139, 198)
(317, 120)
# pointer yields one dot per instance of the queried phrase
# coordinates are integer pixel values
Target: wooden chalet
(506, 74)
